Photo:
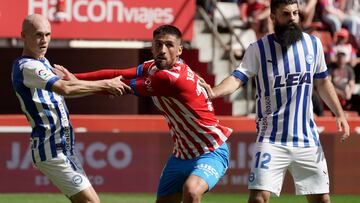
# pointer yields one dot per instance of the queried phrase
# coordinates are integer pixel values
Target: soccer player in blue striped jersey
(286, 66)
(40, 93)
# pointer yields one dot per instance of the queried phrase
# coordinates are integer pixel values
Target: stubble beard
(161, 64)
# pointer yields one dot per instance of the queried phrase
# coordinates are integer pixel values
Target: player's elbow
(63, 88)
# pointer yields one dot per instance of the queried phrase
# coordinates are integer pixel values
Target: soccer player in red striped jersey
(200, 155)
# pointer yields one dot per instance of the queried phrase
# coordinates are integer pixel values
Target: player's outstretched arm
(70, 89)
(328, 95)
(227, 86)
(128, 73)
(81, 87)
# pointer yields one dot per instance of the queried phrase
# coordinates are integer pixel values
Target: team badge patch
(77, 180)
(251, 177)
(309, 59)
(42, 73)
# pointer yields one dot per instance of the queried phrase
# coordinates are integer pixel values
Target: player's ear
(180, 50)
(272, 17)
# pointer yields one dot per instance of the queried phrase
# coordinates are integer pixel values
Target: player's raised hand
(207, 87)
(63, 73)
(343, 127)
(117, 87)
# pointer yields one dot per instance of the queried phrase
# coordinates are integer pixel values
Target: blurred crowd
(335, 22)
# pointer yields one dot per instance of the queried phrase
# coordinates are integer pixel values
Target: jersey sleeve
(36, 75)
(320, 66)
(159, 84)
(128, 73)
(107, 74)
(249, 65)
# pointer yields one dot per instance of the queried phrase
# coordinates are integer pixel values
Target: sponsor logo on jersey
(148, 85)
(66, 125)
(292, 79)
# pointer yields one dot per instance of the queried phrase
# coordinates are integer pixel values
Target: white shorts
(66, 173)
(306, 165)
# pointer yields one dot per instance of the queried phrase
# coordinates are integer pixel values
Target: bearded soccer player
(200, 155)
(286, 65)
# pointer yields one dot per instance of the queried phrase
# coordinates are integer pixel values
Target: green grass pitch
(150, 198)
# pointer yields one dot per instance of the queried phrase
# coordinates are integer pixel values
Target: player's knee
(256, 200)
(96, 200)
(85, 199)
(192, 193)
(323, 198)
(259, 197)
(93, 201)
(191, 197)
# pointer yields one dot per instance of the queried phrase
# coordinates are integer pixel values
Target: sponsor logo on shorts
(251, 177)
(208, 170)
(77, 180)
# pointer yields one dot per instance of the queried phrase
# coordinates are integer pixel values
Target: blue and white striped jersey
(45, 110)
(284, 84)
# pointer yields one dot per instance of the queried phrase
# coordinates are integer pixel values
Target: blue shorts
(210, 167)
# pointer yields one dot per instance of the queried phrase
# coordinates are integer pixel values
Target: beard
(162, 65)
(162, 62)
(286, 35)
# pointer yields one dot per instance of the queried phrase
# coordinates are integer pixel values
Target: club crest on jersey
(292, 79)
(148, 85)
(251, 177)
(309, 59)
(77, 180)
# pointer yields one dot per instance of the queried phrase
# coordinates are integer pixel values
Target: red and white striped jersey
(184, 103)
